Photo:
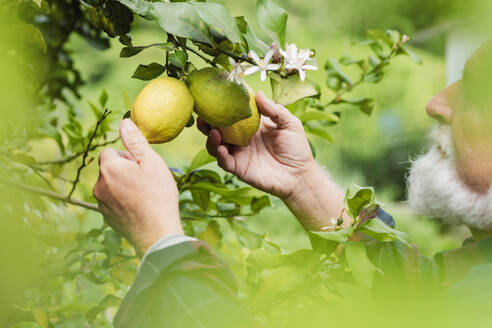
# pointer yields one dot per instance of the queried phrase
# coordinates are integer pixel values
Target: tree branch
(86, 152)
(237, 58)
(53, 195)
(205, 59)
(76, 155)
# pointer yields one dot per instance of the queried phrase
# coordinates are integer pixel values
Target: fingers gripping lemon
(162, 109)
(241, 132)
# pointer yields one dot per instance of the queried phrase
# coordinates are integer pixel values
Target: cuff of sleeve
(166, 242)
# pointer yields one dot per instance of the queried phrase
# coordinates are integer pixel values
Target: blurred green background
(372, 150)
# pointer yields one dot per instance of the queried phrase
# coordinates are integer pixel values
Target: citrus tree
(85, 275)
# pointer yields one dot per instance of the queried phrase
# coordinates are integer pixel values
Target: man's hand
(278, 160)
(136, 191)
(278, 156)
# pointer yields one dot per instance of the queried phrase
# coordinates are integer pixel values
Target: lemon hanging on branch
(218, 101)
(241, 132)
(162, 109)
(225, 104)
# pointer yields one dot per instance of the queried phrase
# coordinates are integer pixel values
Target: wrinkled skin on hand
(279, 161)
(277, 158)
(136, 191)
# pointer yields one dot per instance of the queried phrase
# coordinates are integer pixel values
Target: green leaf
(201, 158)
(411, 54)
(190, 122)
(125, 40)
(253, 42)
(357, 198)
(363, 270)
(181, 19)
(366, 105)
(219, 18)
(273, 20)
(132, 51)
(106, 302)
(320, 133)
(390, 37)
(317, 115)
(246, 237)
(241, 196)
(148, 72)
(347, 60)
(283, 279)
(24, 159)
(378, 230)
(112, 241)
(374, 77)
(212, 235)
(178, 59)
(228, 209)
(139, 7)
(339, 236)
(257, 204)
(201, 197)
(304, 258)
(325, 242)
(336, 79)
(176, 18)
(288, 91)
(263, 259)
(103, 98)
(206, 175)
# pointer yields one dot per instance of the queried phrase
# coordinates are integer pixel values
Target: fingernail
(127, 125)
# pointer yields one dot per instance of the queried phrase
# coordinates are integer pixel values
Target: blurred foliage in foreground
(67, 269)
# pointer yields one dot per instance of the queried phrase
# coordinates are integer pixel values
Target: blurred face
(453, 180)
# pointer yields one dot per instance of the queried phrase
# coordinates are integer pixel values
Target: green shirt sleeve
(183, 285)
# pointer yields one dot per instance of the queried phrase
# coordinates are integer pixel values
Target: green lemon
(162, 109)
(241, 132)
(218, 101)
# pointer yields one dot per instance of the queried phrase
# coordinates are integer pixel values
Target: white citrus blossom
(262, 65)
(296, 60)
(237, 72)
(290, 55)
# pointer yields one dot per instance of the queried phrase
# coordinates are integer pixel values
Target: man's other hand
(136, 191)
(277, 158)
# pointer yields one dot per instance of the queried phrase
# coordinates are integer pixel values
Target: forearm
(317, 200)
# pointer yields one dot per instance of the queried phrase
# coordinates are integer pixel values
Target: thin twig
(53, 195)
(205, 59)
(36, 170)
(237, 58)
(86, 152)
(76, 155)
(38, 173)
(123, 260)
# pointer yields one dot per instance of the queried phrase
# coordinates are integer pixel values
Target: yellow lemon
(218, 101)
(162, 109)
(241, 132)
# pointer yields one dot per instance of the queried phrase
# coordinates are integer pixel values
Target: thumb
(134, 141)
(277, 113)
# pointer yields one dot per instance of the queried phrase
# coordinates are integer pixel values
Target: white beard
(435, 189)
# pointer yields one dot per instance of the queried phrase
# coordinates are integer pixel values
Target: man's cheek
(473, 163)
